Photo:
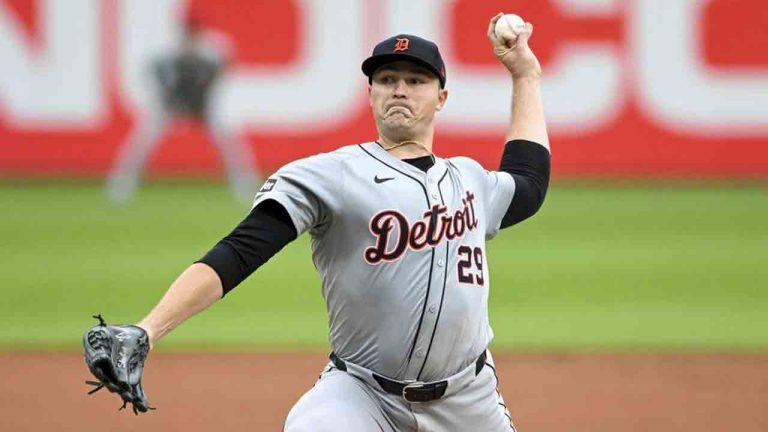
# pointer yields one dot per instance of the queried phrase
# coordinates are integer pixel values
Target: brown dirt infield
(253, 392)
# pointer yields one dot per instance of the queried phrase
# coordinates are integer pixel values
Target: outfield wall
(673, 88)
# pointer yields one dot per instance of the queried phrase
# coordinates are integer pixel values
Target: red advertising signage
(647, 88)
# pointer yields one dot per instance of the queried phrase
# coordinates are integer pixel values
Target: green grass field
(616, 268)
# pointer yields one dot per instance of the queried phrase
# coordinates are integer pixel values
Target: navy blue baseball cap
(405, 47)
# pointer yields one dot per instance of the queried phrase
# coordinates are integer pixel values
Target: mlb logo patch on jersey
(268, 185)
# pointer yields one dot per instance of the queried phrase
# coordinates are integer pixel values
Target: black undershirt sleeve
(529, 164)
(262, 234)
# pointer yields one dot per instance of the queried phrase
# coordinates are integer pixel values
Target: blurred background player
(182, 87)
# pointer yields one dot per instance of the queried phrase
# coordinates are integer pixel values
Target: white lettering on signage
(677, 89)
(58, 84)
(320, 91)
(593, 8)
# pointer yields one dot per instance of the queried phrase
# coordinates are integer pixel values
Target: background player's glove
(115, 354)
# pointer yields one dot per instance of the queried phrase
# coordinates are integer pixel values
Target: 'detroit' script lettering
(434, 226)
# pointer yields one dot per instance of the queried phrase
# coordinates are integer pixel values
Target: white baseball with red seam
(509, 26)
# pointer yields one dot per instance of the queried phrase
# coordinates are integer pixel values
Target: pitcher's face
(404, 97)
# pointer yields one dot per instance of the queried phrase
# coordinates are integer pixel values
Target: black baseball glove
(115, 354)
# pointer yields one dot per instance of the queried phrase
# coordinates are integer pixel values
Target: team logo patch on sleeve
(268, 185)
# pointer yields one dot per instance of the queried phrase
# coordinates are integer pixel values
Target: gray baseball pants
(352, 402)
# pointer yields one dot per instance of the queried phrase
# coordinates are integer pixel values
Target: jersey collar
(436, 172)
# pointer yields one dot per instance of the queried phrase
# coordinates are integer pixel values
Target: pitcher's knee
(330, 419)
(306, 422)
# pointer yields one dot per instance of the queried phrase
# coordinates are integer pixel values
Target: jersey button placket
(434, 194)
(429, 324)
(422, 346)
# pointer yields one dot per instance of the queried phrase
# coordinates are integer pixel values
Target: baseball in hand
(509, 26)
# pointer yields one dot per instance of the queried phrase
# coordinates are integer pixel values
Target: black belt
(415, 391)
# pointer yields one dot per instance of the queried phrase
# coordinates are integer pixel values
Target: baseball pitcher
(398, 237)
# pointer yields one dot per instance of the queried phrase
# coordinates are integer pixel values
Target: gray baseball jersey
(401, 254)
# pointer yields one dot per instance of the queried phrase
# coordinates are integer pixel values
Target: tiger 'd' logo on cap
(401, 44)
